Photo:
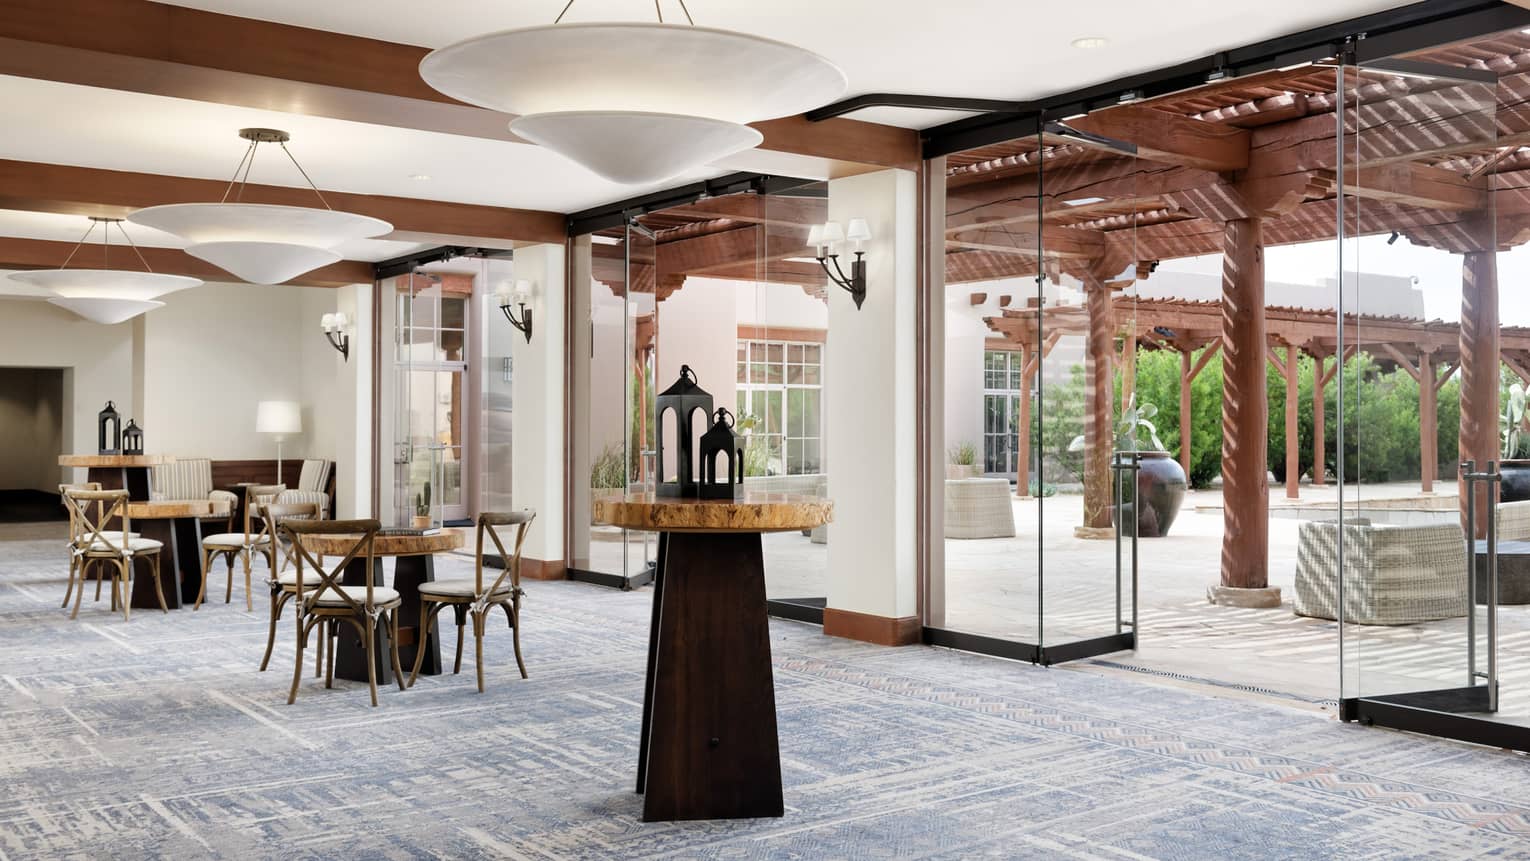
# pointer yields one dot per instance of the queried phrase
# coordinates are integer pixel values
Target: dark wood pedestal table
(128, 472)
(177, 524)
(413, 564)
(708, 747)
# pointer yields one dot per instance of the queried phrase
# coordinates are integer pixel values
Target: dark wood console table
(708, 747)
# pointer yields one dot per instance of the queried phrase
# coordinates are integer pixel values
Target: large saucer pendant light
(634, 102)
(258, 242)
(106, 296)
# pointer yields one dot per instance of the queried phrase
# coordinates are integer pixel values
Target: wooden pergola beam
(37, 187)
(1170, 138)
(47, 254)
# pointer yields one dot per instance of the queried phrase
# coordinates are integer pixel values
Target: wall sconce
(334, 329)
(826, 239)
(519, 296)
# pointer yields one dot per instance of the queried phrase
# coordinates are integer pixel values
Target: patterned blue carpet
(157, 738)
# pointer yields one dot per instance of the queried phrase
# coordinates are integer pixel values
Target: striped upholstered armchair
(188, 478)
(312, 482)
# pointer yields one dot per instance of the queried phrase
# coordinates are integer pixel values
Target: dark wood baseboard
(543, 569)
(881, 630)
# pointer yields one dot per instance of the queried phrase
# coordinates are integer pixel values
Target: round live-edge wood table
(413, 564)
(128, 472)
(178, 525)
(708, 747)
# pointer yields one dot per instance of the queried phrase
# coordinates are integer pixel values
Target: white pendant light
(106, 296)
(257, 242)
(635, 102)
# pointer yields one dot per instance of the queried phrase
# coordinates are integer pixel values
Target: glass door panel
(430, 371)
(1419, 636)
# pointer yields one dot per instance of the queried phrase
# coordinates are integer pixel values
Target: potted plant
(1512, 425)
(1161, 483)
(963, 461)
(422, 508)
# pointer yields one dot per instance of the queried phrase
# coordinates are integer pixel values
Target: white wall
(872, 409)
(698, 326)
(31, 428)
(98, 359)
(538, 384)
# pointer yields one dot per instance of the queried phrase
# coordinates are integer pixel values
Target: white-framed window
(780, 384)
(1002, 391)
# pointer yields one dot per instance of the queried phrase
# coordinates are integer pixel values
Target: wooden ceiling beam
(1062, 242)
(1170, 138)
(47, 254)
(160, 49)
(36, 187)
(1415, 185)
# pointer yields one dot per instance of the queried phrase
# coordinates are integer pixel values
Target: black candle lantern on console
(109, 430)
(722, 445)
(132, 438)
(680, 402)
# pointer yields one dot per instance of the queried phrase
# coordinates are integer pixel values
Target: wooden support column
(1319, 468)
(1185, 379)
(1245, 422)
(1098, 441)
(1479, 370)
(1293, 431)
(1023, 431)
(1428, 423)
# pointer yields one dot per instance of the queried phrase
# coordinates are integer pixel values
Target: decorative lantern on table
(110, 442)
(722, 443)
(132, 438)
(683, 399)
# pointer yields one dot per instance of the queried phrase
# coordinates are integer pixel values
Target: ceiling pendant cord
(249, 153)
(656, 9)
(305, 176)
(77, 245)
(133, 245)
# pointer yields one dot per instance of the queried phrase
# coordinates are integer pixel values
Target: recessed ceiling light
(1088, 42)
(420, 177)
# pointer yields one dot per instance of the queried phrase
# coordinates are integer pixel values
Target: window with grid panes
(1002, 391)
(780, 385)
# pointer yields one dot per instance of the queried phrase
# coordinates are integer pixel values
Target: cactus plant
(422, 501)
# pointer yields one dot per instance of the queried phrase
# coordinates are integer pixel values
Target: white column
(538, 387)
(871, 416)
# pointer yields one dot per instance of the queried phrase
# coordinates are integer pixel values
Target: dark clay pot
(1161, 488)
(1516, 480)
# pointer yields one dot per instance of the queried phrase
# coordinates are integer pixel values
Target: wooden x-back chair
(116, 546)
(475, 597)
(332, 602)
(283, 576)
(254, 539)
(79, 566)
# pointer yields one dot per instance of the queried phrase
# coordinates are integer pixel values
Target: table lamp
(278, 418)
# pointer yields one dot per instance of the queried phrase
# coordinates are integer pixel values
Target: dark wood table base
(708, 748)
(408, 573)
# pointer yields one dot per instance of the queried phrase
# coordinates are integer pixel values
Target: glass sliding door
(1425, 549)
(431, 311)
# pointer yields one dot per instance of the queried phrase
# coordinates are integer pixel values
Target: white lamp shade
(106, 311)
(643, 67)
(263, 262)
(815, 236)
(636, 148)
(200, 223)
(327, 322)
(522, 292)
(278, 417)
(833, 233)
(858, 230)
(105, 283)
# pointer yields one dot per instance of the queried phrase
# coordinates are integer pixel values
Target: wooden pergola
(1426, 350)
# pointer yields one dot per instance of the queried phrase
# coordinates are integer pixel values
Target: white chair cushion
(460, 588)
(380, 595)
(137, 545)
(233, 539)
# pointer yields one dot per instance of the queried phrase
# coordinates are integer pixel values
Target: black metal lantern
(681, 402)
(132, 438)
(110, 443)
(721, 445)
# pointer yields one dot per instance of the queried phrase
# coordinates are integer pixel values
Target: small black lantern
(132, 438)
(722, 444)
(682, 401)
(110, 443)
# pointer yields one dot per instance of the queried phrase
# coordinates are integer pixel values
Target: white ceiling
(997, 49)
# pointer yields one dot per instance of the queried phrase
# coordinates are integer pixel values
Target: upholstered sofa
(1397, 575)
(188, 478)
